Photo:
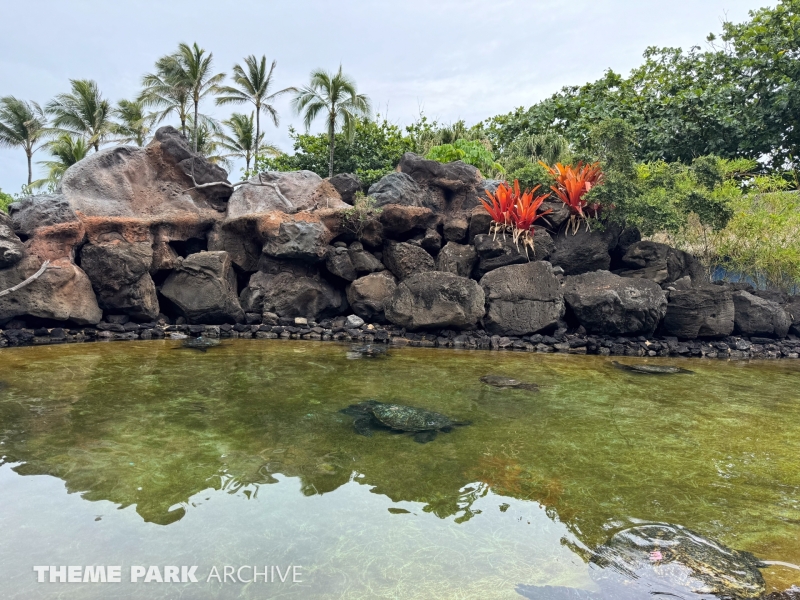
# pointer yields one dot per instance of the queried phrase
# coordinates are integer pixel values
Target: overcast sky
(455, 60)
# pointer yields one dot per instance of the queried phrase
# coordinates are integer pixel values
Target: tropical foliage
(572, 185)
(5, 200)
(472, 152)
(515, 212)
(82, 112)
(22, 125)
(66, 150)
(334, 95)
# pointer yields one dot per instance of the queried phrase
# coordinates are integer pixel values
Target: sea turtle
(367, 350)
(651, 369)
(663, 560)
(200, 343)
(424, 424)
(502, 382)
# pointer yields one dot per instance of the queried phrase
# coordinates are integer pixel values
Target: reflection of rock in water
(664, 560)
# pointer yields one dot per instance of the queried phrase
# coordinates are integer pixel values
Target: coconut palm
(253, 84)
(164, 91)
(134, 124)
(22, 124)
(334, 95)
(242, 143)
(66, 150)
(190, 69)
(82, 112)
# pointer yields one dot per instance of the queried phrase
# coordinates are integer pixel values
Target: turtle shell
(408, 418)
(670, 559)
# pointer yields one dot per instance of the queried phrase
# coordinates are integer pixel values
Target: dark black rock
(707, 311)
(347, 185)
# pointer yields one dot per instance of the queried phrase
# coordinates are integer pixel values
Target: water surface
(141, 454)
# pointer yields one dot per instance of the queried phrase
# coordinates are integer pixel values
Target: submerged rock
(200, 343)
(503, 382)
(647, 369)
(368, 351)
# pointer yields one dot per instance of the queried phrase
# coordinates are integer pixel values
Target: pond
(141, 453)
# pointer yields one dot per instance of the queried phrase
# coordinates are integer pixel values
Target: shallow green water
(138, 454)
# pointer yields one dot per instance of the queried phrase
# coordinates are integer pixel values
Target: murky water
(141, 454)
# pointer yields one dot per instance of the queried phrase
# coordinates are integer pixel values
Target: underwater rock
(648, 369)
(200, 343)
(503, 382)
(368, 350)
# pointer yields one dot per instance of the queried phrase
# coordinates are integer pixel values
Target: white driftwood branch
(30, 279)
(200, 186)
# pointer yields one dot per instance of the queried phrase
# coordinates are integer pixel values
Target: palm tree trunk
(247, 162)
(196, 102)
(30, 174)
(330, 143)
(258, 130)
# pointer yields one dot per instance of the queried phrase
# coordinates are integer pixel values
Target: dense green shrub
(5, 200)
(472, 152)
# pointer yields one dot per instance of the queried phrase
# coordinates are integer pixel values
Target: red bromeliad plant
(515, 212)
(572, 184)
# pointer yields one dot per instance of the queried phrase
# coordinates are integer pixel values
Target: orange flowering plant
(515, 212)
(572, 184)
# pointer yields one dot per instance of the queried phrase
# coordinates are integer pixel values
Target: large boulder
(705, 311)
(584, 251)
(759, 317)
(291, 290)
(203, 289)
(456, 176)
(495, 251)
(11, 247)
(44, 210)
(608, 304)
(298, 240)
(522, 299)
(288, 192)
(405, 260)
(120, 274)
(146, 183)
(368, 295)
(399, 220)
(61, 293)
(397, 188)
(436, 300)
(347, 185)
(792, 308)
(661, 263)
(456, 258)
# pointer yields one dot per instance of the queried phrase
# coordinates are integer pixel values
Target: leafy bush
(363, 211)
(5, 200)
(472, 152)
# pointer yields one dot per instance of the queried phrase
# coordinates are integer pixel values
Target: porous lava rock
(203, 288)
(368, 295)
(405, 260)
(756, 316)
(436, 300)
(702, 312)
(522, 299)
(608, 304)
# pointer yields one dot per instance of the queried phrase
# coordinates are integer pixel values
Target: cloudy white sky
(464, 59)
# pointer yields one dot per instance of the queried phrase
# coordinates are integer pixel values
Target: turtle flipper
(423, 437)
(363, 426)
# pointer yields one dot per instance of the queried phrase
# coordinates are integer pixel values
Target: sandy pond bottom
(142, 454)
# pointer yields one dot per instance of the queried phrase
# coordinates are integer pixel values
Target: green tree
(335, 96)
(83, 112)
(66, 150)
(134, 123)
(190, 69)
(242, 141)
(5, 200)
(165, 91)
(253, 84)
(23, 125)
(472, 152)
(374, 150)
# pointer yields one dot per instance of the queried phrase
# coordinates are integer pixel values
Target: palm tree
(22, 124)
(190, 69)
(163, 90)
(82, 112)
(253, 85)
(243, 143)
(134, 126)
(336, 95)
(67, 150)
